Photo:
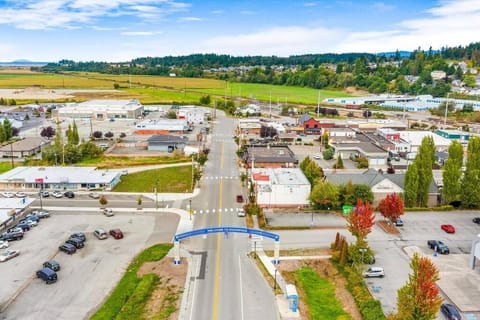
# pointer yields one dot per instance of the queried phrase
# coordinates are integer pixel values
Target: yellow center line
(219, 238)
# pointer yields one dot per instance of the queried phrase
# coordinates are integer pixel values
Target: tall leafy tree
(75, 136)
(324, 195)
(360, 222)
(313, 172)
(425, 159)
(391, 207)
(305, 162)
(3, 137)
(419, 299)
(452, 173)
(411, 185)
(471, 178)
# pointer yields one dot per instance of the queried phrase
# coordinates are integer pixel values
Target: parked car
(100, 234)
(68, 248)
(450, 312)
(24, 225)
(20, 194)
(108, 212)
(3, 244)
(239, 198)
(44, 194)
(438, 246)
(76, 242)
(32, 217)
(57, 194)
(317, 156)
(116, 233)
(94, 195)
(48, 275)
(52, 264)
(476, 220)
(240, 212)
(69, 194)
(7, 194)
(448, 228)
(42, 214)
(9, 254)
(399, 223)
(31, 223)
(12, 235)
(374, 272)
(78, 235)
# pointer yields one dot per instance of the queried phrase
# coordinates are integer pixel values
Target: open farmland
(158, 89)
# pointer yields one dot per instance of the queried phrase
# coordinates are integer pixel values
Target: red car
(448, 228)
(116, 233)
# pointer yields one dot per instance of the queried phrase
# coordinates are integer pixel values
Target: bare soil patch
(167, 296)
(325, 269)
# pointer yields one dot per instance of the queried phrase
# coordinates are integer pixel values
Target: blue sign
(204, 231)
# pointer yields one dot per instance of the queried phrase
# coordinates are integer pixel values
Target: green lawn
(5, 166)
(320, 296)
(129, 297)
(175, 179)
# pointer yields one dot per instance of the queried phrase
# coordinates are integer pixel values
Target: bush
(328, 154)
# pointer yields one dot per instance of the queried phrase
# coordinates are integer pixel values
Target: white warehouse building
(281, 187)
(101, 110)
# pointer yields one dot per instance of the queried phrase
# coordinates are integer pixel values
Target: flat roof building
(101, 110)
(59, 178)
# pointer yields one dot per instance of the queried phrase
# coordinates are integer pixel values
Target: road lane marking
(219, 238)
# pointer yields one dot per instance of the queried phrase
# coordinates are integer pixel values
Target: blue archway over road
(205, 231)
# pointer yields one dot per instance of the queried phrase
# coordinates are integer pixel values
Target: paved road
(227, 285)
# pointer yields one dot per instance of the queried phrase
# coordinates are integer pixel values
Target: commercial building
(162, 126)
(193, 114)
(269, 157)
(10, 208)
(166, 143)
(101, 110)
(59, 178)
(28, 147)
(457, 135)
(281, 187)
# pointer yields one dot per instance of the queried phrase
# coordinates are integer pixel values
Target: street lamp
(190, 209)
(362, 250)
(275, 282)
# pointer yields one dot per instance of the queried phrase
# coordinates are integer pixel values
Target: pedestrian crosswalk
(220, 177)
(216, 211)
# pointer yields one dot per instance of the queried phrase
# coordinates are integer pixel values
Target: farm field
(158, 89)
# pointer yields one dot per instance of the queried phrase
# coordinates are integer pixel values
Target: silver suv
(374, 272)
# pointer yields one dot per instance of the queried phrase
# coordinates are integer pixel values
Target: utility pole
(446, 110)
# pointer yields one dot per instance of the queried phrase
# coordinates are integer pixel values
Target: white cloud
(281, 41)
(188, 19)
(310, 4)
(451, 23)
(140, 33)
(383, 7)
(217, 11)
(50, 14)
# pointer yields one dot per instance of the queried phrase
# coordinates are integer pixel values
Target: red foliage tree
(391, 207)
(361, 220)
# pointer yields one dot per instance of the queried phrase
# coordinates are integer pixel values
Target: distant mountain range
(23, 63)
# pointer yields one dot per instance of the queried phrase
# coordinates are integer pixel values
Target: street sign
(38, 180)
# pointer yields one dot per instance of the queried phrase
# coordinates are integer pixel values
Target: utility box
(292, 296)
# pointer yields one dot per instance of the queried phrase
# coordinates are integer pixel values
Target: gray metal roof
(167, 138)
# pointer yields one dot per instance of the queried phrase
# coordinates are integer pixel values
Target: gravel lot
(86, 277)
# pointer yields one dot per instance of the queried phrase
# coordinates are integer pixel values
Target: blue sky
(119, 30)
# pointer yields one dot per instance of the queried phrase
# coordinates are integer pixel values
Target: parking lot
(86, 277)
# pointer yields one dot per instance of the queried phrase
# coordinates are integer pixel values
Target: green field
(175, 179)
(159, 89)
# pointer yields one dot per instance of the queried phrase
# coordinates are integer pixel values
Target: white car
(240, 212)
(94, 195)
(57, 194)
(3, 244)
(20, 194)
(317, 156)
(8, 254)
(374, 272)
(7, 194)
(108, 212)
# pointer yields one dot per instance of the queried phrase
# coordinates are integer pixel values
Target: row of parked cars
(17, 232)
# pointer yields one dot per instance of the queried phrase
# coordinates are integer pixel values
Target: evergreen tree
(471, 179)
(7, 127)
(68, 133)
(3, 138)
(339, 164)
(75, 136)
(452, 173)
(411, 185)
